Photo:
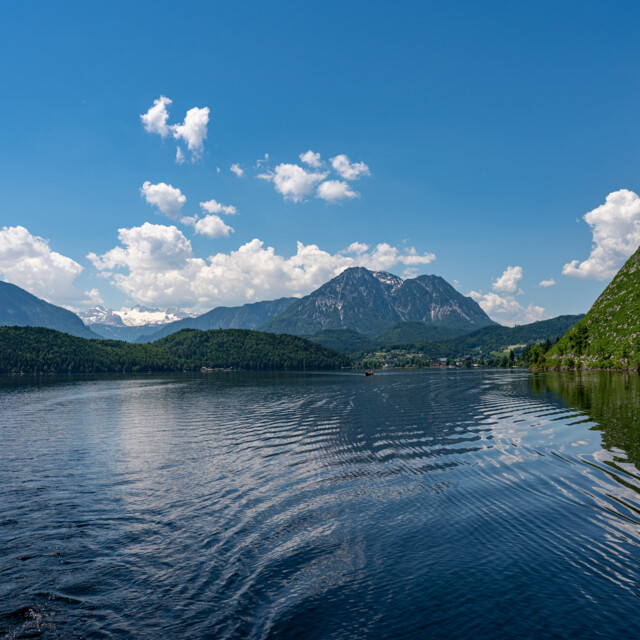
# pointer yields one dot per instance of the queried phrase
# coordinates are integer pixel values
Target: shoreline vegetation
(41, 351)
(35, 350)
(608, 337)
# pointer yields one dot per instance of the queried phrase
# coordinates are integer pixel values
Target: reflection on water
(441, 504)
(613, 401)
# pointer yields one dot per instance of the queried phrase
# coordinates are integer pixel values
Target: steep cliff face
(608, 337)
(372, 301)
(431, 299)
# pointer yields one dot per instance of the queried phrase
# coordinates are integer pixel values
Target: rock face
(608, 337)
(372, 301)
(20, 308)
(248, 316)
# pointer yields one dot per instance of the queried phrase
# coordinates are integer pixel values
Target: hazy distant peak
(136, 316)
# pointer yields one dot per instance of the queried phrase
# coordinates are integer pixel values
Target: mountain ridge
(371, 302)
(247, 316)
(20, 308)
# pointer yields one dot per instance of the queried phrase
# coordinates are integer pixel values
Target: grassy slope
(609, 335)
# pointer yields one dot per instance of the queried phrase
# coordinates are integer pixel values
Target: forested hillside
(34, 350)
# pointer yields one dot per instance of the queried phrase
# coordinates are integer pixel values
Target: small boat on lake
(368, 373)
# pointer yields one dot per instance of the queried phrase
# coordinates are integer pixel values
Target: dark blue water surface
(442, 504)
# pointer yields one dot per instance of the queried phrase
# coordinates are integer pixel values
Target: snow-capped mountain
(137, 316)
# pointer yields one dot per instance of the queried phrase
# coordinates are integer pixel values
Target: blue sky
(488, 131)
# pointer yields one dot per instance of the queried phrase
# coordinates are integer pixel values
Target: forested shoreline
(35, 350)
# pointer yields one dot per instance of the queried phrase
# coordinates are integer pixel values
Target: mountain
(128, 334)
(371, 302)
(608, 337)
(129, 323)
(19, 307)
(137, 316)
(248, 316)
(36, 350)
(496, 338)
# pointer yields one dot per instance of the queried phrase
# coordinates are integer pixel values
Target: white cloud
(168, 199)
(349, 170)
(507, 310)
(357, 248)
(615, 226)
(213, 206)
(547, 283)
(535, 313)
(412, 257)
(28, 261)
(235, 168)
(193, 130)
(310, 158)
(292, 181)
(508, 281)
(212, 226)
(335, 191)
(155, 265)
(155, 120)
(260, 162)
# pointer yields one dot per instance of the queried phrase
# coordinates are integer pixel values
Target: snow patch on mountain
(137, 316)
(389, 279)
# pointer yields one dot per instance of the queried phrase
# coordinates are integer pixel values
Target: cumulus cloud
(213, 206)
(168, 199)
(493, 303)
(292, 181)
(412, 257)
(235, 168)
(535, 313)
(193, 130)
(310, 158)
(507, 310)
(154, 264)
(155, 120)
(335, 191)
(349, 170)
(357, 248)
(547, 283)
(211, 226)
(508, 281)
(615, 227)
(28, 261)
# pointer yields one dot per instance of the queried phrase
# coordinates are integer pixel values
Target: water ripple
(448, 504)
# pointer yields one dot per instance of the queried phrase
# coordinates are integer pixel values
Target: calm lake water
(442, 504)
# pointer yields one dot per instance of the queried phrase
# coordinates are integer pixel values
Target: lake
(439, 504)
